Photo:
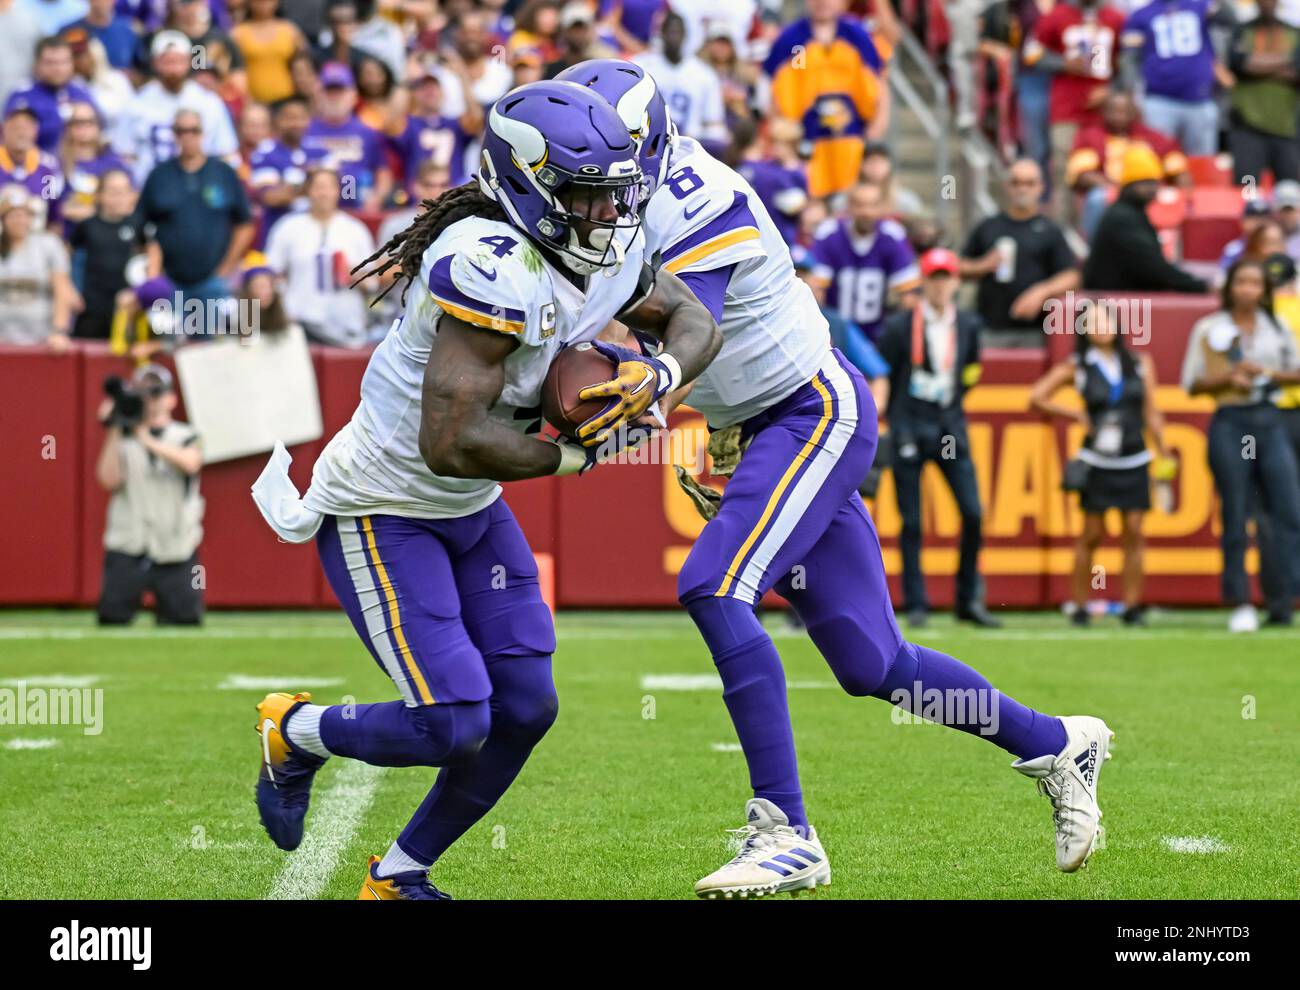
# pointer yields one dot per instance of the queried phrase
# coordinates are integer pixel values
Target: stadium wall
(52, 553)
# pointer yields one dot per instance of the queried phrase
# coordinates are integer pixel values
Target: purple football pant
(451, 610)
(791, 519)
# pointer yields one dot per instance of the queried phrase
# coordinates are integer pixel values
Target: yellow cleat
(284, 781)
(271, 711)
(413, 886)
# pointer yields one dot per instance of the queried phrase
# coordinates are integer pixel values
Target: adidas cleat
(284, 782)
(773, 858)
(412, 886)
(1069, 779)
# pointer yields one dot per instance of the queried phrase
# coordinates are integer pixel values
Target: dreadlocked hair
(405, 250)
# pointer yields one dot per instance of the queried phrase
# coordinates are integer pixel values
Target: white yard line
(1195, 844)
(711, 682)
(335, 817)
(248, 682)
(53, 680)
(31, 744)
(726, 747)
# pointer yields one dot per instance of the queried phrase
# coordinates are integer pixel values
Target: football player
(542, 250)
(791, 518)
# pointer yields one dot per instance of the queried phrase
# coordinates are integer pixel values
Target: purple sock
(753, 687)
(933, 684)
(523, 707)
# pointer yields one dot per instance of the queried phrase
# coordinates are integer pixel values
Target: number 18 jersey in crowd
(705, 217)
(484, 273)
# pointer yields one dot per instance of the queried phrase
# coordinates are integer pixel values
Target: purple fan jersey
(274, 163)
(439, 139)
(1177, 58)
(39, 173)
(51, 107)
(860, 271)
(357, 151)
(778, 186)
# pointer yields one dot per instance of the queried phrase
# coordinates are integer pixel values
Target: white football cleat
(773, 858)
(1070, 781)
(1243, 619)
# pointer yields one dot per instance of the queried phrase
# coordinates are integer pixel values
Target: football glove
(640, 382)
(577, 458)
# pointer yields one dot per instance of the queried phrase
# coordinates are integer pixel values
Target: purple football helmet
(631, 91)
(562, 165)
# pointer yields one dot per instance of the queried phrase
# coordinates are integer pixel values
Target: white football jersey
(705, 216)
(486, 273)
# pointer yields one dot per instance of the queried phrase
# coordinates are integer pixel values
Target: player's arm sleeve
(864, 355)
(710, 288)
(724, 233)
(460, 285)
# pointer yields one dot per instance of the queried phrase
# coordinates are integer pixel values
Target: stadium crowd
(227, 150)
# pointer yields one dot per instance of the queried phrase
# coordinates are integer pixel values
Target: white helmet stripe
(633, 105)
(525, 140)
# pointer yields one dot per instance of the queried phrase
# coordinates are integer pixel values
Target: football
(574, 369)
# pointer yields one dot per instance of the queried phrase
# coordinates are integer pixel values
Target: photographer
(150, 464)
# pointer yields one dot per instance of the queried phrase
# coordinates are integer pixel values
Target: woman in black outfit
(1118, 391)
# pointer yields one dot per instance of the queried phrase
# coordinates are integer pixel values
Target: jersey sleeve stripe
(467, 308)
(712, 247)
(738, 214)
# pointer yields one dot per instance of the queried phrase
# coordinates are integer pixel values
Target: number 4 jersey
(487, 274)
(706, 217)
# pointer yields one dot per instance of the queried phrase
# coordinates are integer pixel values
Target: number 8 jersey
(485, 273)
(706, 217)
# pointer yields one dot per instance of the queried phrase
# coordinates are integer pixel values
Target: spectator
(779, 177)
(261, 308)
(730, 19)
(217, 60)
(1118, 390)
(278, 168)
(1033, 85)
(526, 65)
(22, 163)
(337, 42)
(253, 131)
(1281, 270)
(864, 261)
(1170, 42)
(631, 21)
(268, 44)
(356, 150)
(429, 181)
(196, 216)
(314, 251)
(112, 29)
(110, 88)
(51, 15)
(1126, 255)
(102, 244)
(377, 35)
(826, 73)
(537, 28)
(51, 90)
(489, 78)
(878, 170)
(20, 30)
(1265, 241)
(1255, 212)
(1094, 166)
(151, 468)
(691, 88)
(578, 40)
(1265, 58)
(306, 82)
(740, 79)
(1239, 356)
(419, 131)
(963, 39)
(933, 353)
(83, 159)
(143, 135)
(37, 299)
(1021, 258)
(1286, 207)
(1077, 44)
(374, 92)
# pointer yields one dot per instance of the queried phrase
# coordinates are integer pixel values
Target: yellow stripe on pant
(782, 485)
(395, 617)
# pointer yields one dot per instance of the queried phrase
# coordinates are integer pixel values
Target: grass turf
(618, 804)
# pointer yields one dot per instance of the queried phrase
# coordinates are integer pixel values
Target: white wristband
(573, 458)
(674, 374)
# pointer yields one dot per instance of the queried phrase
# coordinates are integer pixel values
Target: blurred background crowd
(222, 151)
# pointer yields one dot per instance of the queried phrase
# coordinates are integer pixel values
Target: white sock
(396, 861)
(303, 729)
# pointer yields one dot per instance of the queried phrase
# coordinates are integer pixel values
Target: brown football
(573, 369)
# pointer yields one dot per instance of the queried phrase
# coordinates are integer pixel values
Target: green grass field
(616, 804)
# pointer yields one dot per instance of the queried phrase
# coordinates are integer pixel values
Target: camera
(128, 404)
